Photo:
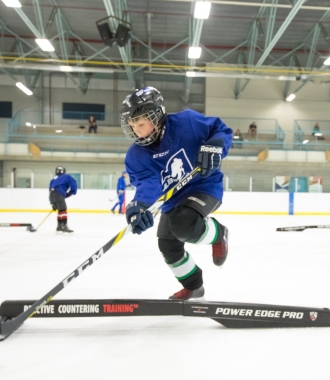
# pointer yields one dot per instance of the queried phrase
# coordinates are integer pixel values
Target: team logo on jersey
(313, 315)
(176, 168)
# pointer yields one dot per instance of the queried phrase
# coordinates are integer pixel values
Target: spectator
(238, 138)
(317, 133)
(92, 124)
(253, 129)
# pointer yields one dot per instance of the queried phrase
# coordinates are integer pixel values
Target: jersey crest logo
(176, 168)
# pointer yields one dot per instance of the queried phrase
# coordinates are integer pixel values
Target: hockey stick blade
(300, 228)
(8, 326)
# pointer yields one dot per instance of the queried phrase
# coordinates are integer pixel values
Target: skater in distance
(62, 186)
(165, 149)
(121, 187)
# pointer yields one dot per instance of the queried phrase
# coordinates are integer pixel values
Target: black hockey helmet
(60, 170)
(146, 102)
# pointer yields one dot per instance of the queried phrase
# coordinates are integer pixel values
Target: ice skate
(59, 227)
(63, 228)
(220, 250)
(186, 294)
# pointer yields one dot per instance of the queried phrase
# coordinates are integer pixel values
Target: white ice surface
(263, 266)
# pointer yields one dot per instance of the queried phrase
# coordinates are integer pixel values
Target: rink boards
(229, 314)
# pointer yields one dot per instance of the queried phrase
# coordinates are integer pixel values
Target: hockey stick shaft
(301, 228)
(44, 219)
(7, 327)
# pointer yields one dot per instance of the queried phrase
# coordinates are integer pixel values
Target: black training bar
(229, 314)
(28, 225)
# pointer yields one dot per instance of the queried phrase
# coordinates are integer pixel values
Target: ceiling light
(12, 3)
(58, 131)
(194, 52)
(44, 44)
(327, 61)
(290, 98)
(34, 126)
(305, 141)
(202, 9)
(23, 88)
(28, 124)
(317, 134)
(66, 68)
(200, 74)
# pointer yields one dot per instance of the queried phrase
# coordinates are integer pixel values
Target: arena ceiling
(239, 39)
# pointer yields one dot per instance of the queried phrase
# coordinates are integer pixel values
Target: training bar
(28, 225)
(229, 314)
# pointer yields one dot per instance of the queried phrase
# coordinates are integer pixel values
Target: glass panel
(42, 179)
(239, 183)
(23, 178)
(96, 181)
(262, 183)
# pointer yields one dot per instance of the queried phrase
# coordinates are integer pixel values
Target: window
(82, 111)
(6, 110)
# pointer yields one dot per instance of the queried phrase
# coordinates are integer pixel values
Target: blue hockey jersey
(154, 169)
(121, 184)
(63, 184)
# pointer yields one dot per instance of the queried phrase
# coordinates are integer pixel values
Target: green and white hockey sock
(211, 232)
(184, 267)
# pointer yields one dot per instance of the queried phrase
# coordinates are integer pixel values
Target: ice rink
(263, 266)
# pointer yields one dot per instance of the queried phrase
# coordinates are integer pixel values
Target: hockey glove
(139, 217)
(209, 156)
(67, 195)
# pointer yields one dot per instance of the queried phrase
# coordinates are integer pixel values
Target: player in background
(165, 149)
(62, 186)
(121, 187)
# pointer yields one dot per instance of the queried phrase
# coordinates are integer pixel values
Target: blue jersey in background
(63, 184)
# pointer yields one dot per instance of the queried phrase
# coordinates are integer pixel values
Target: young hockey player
(121, 187)
(165, 149)
(61, 186)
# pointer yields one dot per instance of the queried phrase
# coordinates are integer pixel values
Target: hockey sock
(183, 268)
(62, 217)
(213, 232)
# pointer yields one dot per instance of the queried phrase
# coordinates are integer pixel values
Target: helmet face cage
(144, 103)
(129, 132)
(60, 170)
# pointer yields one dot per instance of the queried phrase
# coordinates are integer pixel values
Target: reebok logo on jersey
(211, 149)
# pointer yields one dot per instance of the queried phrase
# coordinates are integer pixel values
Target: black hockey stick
(120, 193)
(299, 228)
(8, 326)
